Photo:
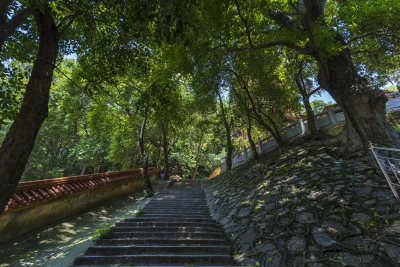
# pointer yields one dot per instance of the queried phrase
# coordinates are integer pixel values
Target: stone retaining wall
(307, 207)
(41, 202)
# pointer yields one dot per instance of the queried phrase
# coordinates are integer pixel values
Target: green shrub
(102, 232)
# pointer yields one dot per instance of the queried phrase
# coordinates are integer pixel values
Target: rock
(360, 217)
(382, 209)
(356, 241)
(392, 251)
(272, 259)
(282, 211)
(349, 259)
(326, 188)
(362, 191)
(370, 202)
(225, 220)
(391, 216)
(382, 194)
(266, 246)
(298, 261)
(245, 212)
(315, 195)
(296, 245)
(334, 217)
(394, 227)
(248, 236)
(333, 227)
(312, 248)
(305, 217)
(270, 206)
(243, 260)
(322, 238)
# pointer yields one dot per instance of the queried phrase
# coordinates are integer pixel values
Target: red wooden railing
(40, 190)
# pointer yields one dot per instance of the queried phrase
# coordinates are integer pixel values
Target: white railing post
(331, 116)
(303, 127)
(259, 146)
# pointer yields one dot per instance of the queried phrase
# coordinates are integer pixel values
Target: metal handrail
(394, 167)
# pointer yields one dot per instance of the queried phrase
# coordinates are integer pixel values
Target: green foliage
(318, 106)
(168, 61)
(149, 194)
(392, 88)
(103, 231)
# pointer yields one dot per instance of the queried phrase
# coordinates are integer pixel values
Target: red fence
(40, 190)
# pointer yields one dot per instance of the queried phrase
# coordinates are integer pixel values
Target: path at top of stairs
(174, 229)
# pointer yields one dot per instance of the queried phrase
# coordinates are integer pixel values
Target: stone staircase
(173, 229)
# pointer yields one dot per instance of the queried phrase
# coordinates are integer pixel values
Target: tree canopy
(90, 86)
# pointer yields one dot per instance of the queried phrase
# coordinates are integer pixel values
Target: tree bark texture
(229, 153)
(144, 155)
(198, 155)
(166, 150)
(20, 139)
(312, 125)
(362, 102)
(251, 141)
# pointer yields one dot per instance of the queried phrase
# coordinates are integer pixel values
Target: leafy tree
(324, 31)
(319, 105)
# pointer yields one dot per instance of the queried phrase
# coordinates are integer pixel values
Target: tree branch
(281, 18)
(7, 28)
(315, 90)
(73, 17)
(244, 22)
(294, 7)
(268, 45)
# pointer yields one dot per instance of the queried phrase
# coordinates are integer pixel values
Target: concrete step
(174, 235)
(174, 229)
(170, 219)
(172, 216)
(134, 249)
(163, 224)
(160, 241)
(164, 210)
(173, 209)
(150, 259)
(178, 229)
(130, 265)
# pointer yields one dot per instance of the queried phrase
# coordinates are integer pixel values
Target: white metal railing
(331, 118)
(388, 160)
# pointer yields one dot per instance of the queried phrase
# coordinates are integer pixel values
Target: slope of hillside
(306, 207)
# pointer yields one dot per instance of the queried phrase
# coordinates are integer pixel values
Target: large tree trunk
(251, 141)
(198, 155)
(363, 103)
(312, 125)
(144, 155)
(166, 150)
(158, 147)
(20, 139)
(229, 153)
